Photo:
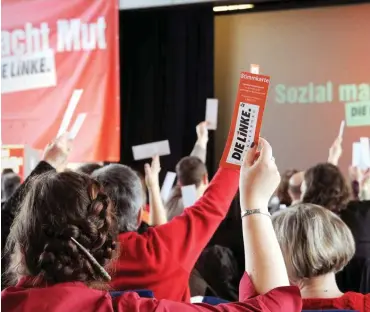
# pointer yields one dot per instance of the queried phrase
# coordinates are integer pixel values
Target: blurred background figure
(9, 184)
(283, 190)
(294, 188)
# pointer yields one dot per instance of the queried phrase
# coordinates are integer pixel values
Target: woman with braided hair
(64, 235)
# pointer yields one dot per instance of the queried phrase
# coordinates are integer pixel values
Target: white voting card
(365, 152)
(168, 182)
(356, 154)
(341, 129)
(211, 113)
(189, 195)
(149, 150)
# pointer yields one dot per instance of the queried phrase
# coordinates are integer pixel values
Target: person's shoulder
(61, 297)
(356, 209)
(357, 205)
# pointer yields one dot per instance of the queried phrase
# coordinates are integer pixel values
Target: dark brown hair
(190, 170)
(282, 191)
(59, 206)
(326, 187)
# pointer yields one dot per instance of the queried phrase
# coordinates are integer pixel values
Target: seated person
(294, 188)
(324, 185)
(63, 265)
(190, 170)
(9, 184)
(316, 244)
(282, 191)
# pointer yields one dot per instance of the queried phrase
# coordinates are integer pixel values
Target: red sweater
(77, 296)
(349, 301)
(162, 258)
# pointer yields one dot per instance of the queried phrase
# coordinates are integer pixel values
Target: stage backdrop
(59, 71)
(318, 60)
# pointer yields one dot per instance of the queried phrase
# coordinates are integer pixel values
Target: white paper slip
(356, 154)
(341, 129)
(72, 104)
(365, 153)
(211, 113)
(149, 150)
(189, 195)
(255, 69)
(77, 126)
(168, 182)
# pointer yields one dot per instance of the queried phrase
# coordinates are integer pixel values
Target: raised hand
(259, 178)
(202, 133)
(57, 152)
(335, 151)
(152, 172)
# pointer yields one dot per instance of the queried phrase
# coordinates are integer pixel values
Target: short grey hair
(124, 187)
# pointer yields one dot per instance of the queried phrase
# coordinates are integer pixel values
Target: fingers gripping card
(247, 118)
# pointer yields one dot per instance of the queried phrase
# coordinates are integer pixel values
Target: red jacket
(162, 258)
(68, 297)
(349, 301)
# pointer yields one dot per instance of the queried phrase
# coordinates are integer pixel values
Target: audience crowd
(78, 240)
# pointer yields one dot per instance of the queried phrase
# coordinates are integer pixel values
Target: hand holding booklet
(247, 118)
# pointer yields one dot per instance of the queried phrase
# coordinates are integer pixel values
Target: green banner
(358, 114)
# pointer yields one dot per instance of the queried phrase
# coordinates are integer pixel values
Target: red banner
(60, 72)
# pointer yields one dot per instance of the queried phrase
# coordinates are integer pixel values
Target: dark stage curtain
(166, 64)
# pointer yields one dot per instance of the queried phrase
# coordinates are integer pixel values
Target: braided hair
(58, 210)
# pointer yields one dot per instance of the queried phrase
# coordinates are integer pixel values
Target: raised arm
(55, 156)
(263, 258)
(185, 236)
(200, 147)
(335, 151)
(157, 211)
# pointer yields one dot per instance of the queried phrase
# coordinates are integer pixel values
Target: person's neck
(323, 286)
(296, 201)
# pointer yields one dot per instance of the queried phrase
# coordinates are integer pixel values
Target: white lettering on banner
(28, 61)
(29, 40)
(245, 130)
(28, 71)
(68, 114)
(73, 35)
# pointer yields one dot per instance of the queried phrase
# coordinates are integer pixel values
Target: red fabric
(282, 299)
(57, 298)
(161, 259)
(78, 297)
(33, 115)
(349, 301)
